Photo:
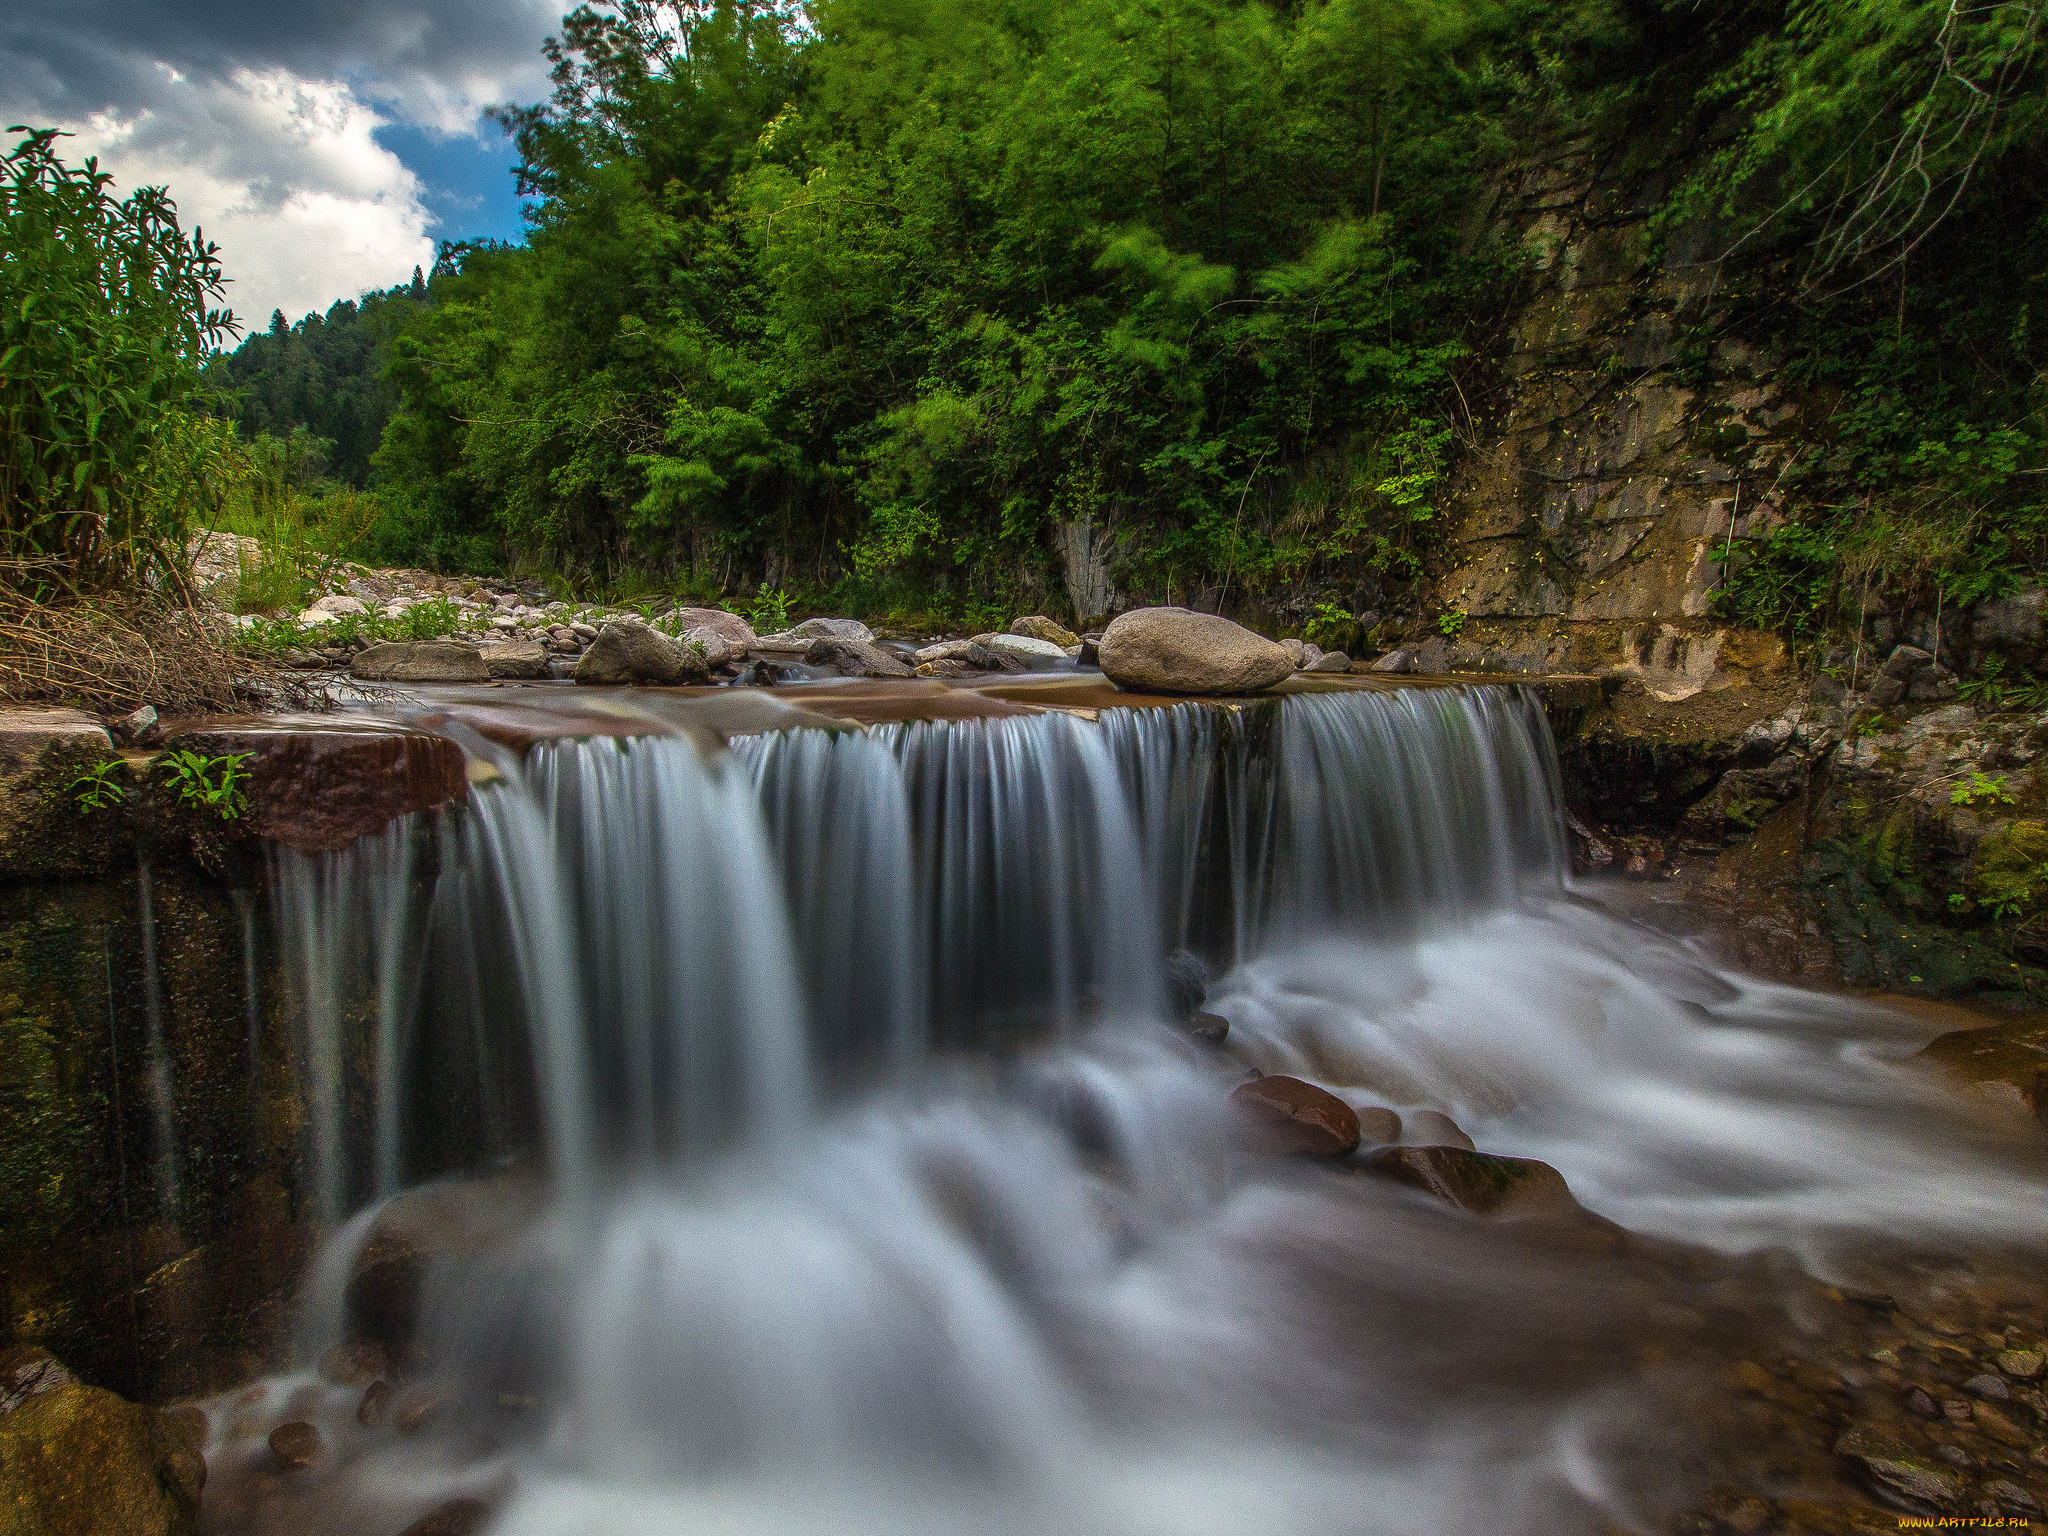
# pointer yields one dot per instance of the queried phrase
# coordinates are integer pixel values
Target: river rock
(833, 629)
(1036, 654)
(1296, 651)
(855, 658)
(1379, 1125)
(735, 631)
(1187, 983)
(1173, 650)
(1038, 627)
(79, 1461)
(1209, 1028)
(339, 605)
(1428, 1128)
(415, 1236)
(712, 646)
(969, 653)
(628, 651)
(1329, 661)
(421, 661)
(516, 660)
(1287, 1115)
(1474, 1181)
(353, 1363)
(1395, 662)
(297, 1445)
(457, 1517)
(375, 1404)
(1900, 1473)
(2021, 1364)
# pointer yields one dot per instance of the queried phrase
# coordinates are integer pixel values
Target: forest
(890, 302)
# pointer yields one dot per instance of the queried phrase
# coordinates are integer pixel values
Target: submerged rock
(1187, 983)
(1474, 1181)
(79, 1461)
(297, 1445)
(1899, 1473)
(1289, 1116)
(421, 661)
(457, 1517)
(1038, 627)
(1174, 650)
(1379, 1125)
(1209, 1028)
(628, 651)
(1428, 1128)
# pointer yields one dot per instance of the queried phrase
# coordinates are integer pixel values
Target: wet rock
(716, 650)
(1428, 1128)
(26, 1371)
(855, 658)
(516, 660)
(1899, 1473)
(735, 631)
(1187, 983)
(1329, 661)
(1289, 1116)
(1173, 650)
(970, 653)
(1474, 1181)
(2000, 1428)
(136, 727)
(78, 1461)
(1038, 627)
(357, 1361)
(1209, 1028)
(833, 629)
(1987, 1385)
(319, 790)
(457, 1517)
(1956, 1411)
(375, 1404)
(413, 1236)
(1920, 1405)
(1379, 1125)
(421, 1407)
(297, 1445)
(1395, 662)
(2011, 1496)
(420, 661)
(628, 651)
(941, 669)
(2021, 1364)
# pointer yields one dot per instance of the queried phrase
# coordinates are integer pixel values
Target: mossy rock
(79, 1461)
(2009, 873)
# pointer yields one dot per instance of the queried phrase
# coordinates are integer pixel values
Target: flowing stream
(822, 1157)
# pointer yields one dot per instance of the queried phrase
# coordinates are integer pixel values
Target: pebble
(1920, 1404)
(1987, 1385)
(296, 1445)
(2021, 1364)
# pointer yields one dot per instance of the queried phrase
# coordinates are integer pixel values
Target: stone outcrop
(79, 1461)
(319, 787)
(628, 651)
(1176, 651)
(421, 661)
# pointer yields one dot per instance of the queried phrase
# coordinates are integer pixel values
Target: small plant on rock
(1331, 628)
(1452, 624)
(1983, 789)
(94, 789)
(210, 783)
(769, 611)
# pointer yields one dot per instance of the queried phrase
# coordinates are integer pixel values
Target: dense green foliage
(893, 298)
(319, 385)
(106, 318)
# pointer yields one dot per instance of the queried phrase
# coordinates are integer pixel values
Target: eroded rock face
(1287, 1115)
(77, 1461)
(318, 790)
(1174, 650)
(42, 830)
(1475, 1181)
(421, 661)
(627, 651)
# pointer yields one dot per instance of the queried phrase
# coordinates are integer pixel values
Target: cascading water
(882, 1197)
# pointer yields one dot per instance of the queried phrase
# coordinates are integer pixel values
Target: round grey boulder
(628, 651)
(1173, 650)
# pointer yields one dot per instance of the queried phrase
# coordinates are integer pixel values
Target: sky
(325, 146)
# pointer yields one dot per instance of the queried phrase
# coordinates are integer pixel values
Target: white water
(885, 1203)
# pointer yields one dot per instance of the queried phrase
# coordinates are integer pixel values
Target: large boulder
(628, 651)
(833, 629)
(516, 660)
(78, 1461)
(1172, 650)
(855, 658)
(1038, 655)
(1038, 627)
(1287, 1115)
(421, 661)
(735, 631)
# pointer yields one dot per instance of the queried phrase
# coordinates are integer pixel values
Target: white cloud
(282, 173)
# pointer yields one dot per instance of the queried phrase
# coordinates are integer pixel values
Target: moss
(2009, 873)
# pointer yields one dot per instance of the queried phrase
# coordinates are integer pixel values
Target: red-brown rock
(297, 1445)
(458, 1517)
(1287, 1115)
(1475, 1181)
